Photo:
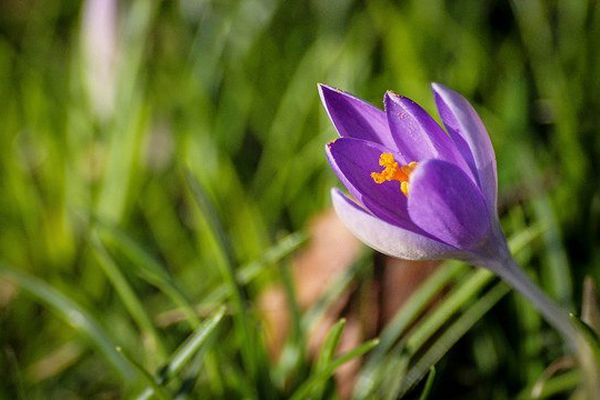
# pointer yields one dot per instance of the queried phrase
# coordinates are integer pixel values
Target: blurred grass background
(167, 154)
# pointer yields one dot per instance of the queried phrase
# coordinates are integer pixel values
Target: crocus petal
(355, 118)
(417, 134)
(386, 238)
(353, 160)
(471, 138)
(445, 202)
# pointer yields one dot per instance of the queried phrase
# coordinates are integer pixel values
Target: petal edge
(355, 118)
(386, 238)
(445, 203)
(471, 137)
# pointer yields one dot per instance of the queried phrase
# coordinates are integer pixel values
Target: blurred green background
(150, 149)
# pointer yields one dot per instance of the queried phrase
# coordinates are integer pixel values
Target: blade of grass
(588, 354)
(192, 345)
(429, 384)
(327, 353)
(395, 367)
(128, 296)
(319, 379)
(283, 248)
(557, 384)
(252, 349)
(148, 379)
(330, 344)
(297, 338)
(246, 274)
(452, 334)
(186, 351)
(149, 269)
(312, 315)
(402, 320)
(73, 314)
(459, 296)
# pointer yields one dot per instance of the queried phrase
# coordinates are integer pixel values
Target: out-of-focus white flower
(99, 54)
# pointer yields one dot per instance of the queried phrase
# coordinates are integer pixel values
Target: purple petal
(386, 238)
(355, 118)
(471, 138)
(445, 202)
(353, 160)
(417, 134)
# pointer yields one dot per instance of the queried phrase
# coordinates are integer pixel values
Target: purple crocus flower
(419, 192)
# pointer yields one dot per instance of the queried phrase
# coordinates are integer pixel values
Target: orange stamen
(394, 172)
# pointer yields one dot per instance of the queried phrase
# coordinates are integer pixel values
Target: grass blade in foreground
(377, 369)
(132, 302)
(452, 334)
(252, 353)
(149, 269)
(74, 315)
(186, 351)
(428, 384)
(320, 377)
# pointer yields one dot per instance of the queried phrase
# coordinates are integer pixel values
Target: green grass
(135, 239)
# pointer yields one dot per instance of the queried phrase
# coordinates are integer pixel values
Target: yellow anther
(393, 172)
(386, 159)
(404, 188)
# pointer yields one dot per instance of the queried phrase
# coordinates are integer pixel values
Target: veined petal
(444, 202)
(417, 134)
(353, 160)
(471, 138)
(386, 238)
(355, 118)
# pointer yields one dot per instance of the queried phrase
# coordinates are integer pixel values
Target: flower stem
(555, 315)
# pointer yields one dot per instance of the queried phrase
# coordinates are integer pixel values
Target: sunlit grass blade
(461, 295)
(295, 351)
(245, 275)
(588, 354)
(391, 373)
(452, 334)
(319, 378)
(428, 384)
(182, 356)
(590, 310)
(147, 378)
(402, 320)
(327, 353)
(132, 302)
(248, 272)
(73, 314)
(211, 217)
(149, 269)
(468, 289)
(191, 346)
(330, 344)
(419, 301)
(588, 334)
(283, 248)
(251, 346)
(559, 384)
(286, 364)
